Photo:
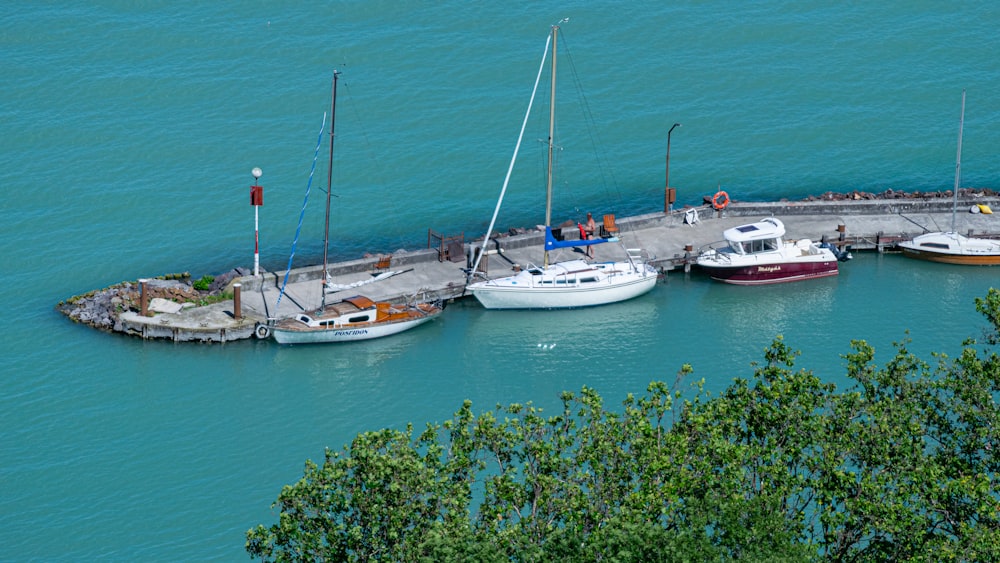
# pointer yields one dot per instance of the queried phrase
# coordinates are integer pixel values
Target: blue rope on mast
(319, 143)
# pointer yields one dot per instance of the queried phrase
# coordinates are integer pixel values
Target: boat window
(361, 319)
(940, 245)
(588, 280)
(755, 246)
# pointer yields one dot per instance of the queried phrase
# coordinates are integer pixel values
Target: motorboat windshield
(762, 236)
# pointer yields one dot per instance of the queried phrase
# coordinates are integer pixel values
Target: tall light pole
(667, 204)
(256, 200)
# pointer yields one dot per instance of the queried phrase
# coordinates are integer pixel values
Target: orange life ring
(720, 205)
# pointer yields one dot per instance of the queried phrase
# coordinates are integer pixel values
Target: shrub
(203, 283)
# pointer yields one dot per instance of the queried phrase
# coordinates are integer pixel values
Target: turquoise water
(129, 130)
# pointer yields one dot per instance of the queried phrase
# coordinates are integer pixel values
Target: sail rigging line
(925, 229)
(600, 156)
(958, 164)
(302, 214)
(375, 172)
(513, 159)
(609, 182)
(550, 243)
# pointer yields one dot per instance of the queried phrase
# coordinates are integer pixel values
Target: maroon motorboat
(757, 254)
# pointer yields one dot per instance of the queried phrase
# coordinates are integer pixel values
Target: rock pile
(895, 194)
(101, 308)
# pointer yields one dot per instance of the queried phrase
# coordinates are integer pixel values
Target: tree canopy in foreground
(901, 465)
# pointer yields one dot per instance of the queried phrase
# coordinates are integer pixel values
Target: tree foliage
(900, 465)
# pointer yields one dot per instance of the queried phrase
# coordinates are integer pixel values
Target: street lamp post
(256, 200)
(667, 204)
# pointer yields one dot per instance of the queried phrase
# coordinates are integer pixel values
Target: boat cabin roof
(766, 229)
(360, 301)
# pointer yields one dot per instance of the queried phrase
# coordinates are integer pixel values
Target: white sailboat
(950, 247)
(571, 283)
(354, 318)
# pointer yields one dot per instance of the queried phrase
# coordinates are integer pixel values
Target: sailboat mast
(958, 164)
(552, 127)
(329, 185)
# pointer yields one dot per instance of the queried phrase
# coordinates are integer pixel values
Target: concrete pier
(672, 241)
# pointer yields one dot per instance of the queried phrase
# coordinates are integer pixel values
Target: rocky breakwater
(116, 308)
(898, 194)
(887, 203)
(888, 194)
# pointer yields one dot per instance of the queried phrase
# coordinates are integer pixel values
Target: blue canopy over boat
(551, 243)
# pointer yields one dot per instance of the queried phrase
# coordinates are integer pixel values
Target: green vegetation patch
(902, 465)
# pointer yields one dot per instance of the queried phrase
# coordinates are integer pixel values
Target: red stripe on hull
(772, 273)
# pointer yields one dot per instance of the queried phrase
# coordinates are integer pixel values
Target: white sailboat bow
(566, 284)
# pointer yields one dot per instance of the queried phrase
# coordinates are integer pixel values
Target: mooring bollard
(143, 299)
(237, 308)
(842, 229)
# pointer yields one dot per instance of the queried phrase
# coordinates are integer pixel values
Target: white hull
(353, 318)
(566, 285)
(348, 334)
(953, 248)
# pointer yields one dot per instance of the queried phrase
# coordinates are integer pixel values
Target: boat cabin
(361, 317)
(353, 310)
(762, 236)
(952, 243)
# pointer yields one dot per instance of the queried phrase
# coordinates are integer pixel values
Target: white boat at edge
(571, 283)
(950, 247)
(953, 248)
(757, 254)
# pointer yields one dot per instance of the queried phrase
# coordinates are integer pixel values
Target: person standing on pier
(590, 228)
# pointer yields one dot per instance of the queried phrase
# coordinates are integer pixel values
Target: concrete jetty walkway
(672, 241)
